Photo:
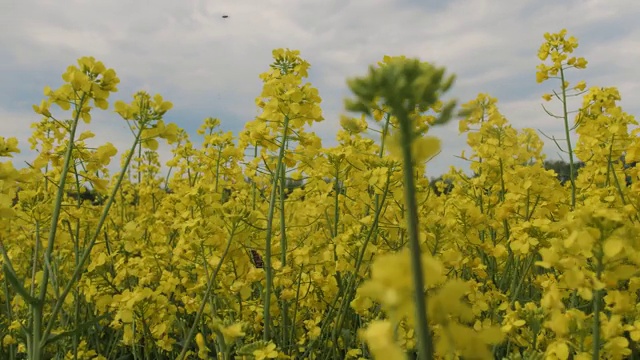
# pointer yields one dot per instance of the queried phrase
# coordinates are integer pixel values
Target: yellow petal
(613, 247)
(425, 148)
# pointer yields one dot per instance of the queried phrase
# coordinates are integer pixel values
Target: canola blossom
(268, 245)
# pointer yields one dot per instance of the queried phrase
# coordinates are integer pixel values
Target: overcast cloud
(209, 66)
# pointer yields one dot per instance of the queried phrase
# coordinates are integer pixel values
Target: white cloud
(209, 66)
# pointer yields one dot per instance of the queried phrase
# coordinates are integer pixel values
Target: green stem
(597, 299)
(207, 293)
(283, 255)
(9, 314)
(85, 255)
(425, 345)
(351, 285)
(36, 309)
(565, 116)
(267, 258)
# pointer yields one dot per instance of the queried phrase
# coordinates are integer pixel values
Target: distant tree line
(560, 167)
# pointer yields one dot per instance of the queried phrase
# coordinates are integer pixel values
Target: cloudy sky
(209, 66)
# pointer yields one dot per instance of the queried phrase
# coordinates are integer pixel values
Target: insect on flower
(257, 259)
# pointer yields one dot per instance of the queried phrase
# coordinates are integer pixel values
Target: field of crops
(265, 244)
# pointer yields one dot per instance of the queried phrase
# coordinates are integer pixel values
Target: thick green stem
(425, 345)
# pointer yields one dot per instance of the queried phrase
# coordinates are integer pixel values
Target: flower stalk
(407, 88)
